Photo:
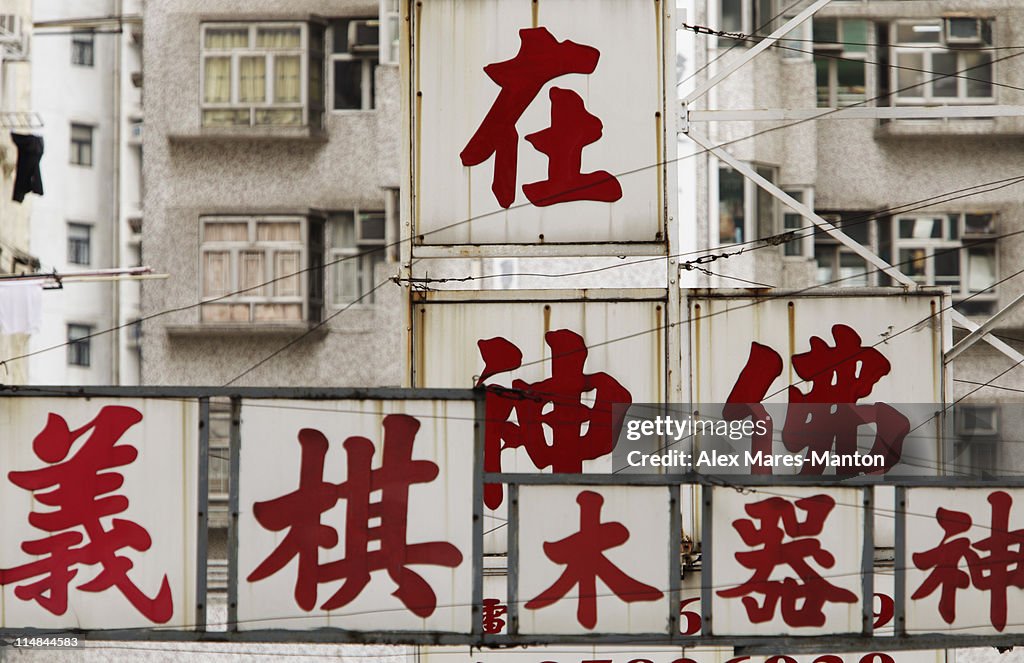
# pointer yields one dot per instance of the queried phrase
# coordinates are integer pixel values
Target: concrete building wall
(192, 171)
(15, 96)
(98, 93)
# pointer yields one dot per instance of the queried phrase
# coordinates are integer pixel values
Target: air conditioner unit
(962, 30)
(363, 35)
(977, 421)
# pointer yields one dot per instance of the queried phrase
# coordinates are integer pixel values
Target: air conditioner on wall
(363, 35)
(962, 30)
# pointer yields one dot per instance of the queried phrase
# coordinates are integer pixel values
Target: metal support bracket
(980, 331)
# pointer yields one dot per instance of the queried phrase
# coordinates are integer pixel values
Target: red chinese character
(541, 58)
(493, 611)
(1000, 568)
(801, 598)
(582, 555)
(555, 403)
(81, 490)
(828, 415)
(368, 547)
(763, 366)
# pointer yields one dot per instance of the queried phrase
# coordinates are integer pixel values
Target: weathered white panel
(608, 654)
(963, 559)
(787, 560)
(721, 330)
(623, 333)
(112, 479)
(632, 600)
(438, 511)
(455, 40)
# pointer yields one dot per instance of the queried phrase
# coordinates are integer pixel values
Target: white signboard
(567, 357)
(539, 123)
(897, 340)
(846, 384)
(607, 654)
(356, 515)
(787, 561)
(593, 559)
(97, 513)
(965, 547)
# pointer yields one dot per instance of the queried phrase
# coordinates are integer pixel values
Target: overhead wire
(410, 238)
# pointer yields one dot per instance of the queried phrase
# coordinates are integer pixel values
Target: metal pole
(202, 506)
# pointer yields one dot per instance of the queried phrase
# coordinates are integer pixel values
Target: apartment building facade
(87, 60)
(16, 116)
(272, 172)
(936, 197)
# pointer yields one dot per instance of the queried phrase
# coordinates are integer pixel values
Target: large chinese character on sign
(840, 381)
(94, 507)
(342, 525)
(827, 419)
(553, 126)
(552, 423)
(787, 561)
(965, 560)
(541, 58)
(558, 373)
(603, 569)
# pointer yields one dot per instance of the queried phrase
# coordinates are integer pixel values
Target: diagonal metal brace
(958, 318)
(980, 331)
(753, 51)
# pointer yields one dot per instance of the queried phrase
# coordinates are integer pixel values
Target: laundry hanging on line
(21, 306)
(29, 179)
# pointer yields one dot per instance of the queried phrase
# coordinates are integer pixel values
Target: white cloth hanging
(21, 306)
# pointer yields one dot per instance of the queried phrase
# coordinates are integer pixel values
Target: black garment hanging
(28, 179)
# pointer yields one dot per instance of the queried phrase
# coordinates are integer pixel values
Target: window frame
(74, 244)
(306, 51)
(368, 66)
(83, 42)
(753, 225)
(82, 152)
(235, 250)
(79, 346)
(832, 54)
(947, 242)
(928, 50)
(364, 263)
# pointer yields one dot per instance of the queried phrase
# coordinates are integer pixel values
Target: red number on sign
(781, 659)
(691, 625)
(881, 658)
(886, 609)
(829, 658)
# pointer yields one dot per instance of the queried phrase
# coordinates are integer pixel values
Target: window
(956, 250)
(79, 345)
(262, 74)
(82, 47)
(744, 207)
(927, 70)
(802, 243)
(266, 269)
(358, 241)
(931, 251)
(749, 17)
(839, 266)
(219, 469)
(353, 59)
(79, 243)
(81, 144)
(840, 51)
